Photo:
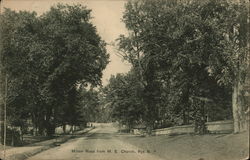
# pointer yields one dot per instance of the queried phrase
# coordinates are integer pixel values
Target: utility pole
(5, 115)
(1, 91)
(3, 99)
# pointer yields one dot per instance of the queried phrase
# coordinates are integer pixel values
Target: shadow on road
(101, 136)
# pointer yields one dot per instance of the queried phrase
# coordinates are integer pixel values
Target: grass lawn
(195, 147)
(29, 139)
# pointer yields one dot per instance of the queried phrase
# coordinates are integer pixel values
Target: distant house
(139, 129)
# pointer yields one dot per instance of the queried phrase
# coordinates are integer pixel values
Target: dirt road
(101, 143)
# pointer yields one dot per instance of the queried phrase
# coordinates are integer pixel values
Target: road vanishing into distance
(102, 143)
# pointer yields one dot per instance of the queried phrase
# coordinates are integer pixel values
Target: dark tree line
(48, 61)
(188, 60)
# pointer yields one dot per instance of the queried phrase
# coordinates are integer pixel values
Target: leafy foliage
(124, 92)
(183, 50)
(46, 59)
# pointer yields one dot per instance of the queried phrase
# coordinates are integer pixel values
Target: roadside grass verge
(194, 147)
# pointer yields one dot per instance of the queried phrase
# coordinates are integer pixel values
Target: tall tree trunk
(64, 128)
(21, 133)
(235, 109)
(34, 125)
(71, 129)
(188, 113)
(186, 105)
(237, 96)
(149, 128)
(184, 117)
(237, 106)
(199, 116)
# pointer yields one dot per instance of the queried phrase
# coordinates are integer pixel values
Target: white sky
(106, 15)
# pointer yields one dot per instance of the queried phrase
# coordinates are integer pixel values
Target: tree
(16, 39)
(47, 58)
(182, 47)
(90, 105)
(78, 53)
(124, 95)
(230, 64)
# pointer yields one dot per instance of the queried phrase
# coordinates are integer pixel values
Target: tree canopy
(124, 95)
(47, 59)
(184, 52)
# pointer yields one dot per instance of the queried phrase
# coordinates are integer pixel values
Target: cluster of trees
(124, 93)
(188, 60)
(50, 64)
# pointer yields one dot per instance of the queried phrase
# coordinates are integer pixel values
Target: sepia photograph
(124, 79)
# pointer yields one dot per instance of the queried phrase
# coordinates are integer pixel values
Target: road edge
(25, 155)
